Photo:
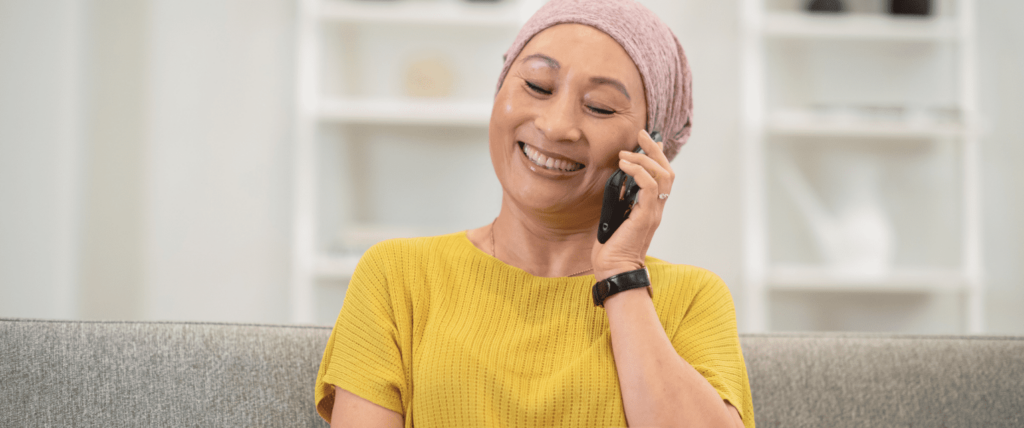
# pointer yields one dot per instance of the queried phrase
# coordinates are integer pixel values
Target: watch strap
(619, 283)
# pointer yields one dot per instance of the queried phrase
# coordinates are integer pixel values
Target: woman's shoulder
(685, 294)
(683, 272)
(406, 250)
(396, 264)
(685, 279)
(421, 243)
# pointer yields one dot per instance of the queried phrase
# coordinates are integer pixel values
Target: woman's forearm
(659, 389)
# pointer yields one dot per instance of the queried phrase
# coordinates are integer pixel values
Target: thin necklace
(494, 250)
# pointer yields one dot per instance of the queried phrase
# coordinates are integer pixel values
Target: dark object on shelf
(825, 6)
(910, 7)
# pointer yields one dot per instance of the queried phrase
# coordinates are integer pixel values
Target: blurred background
(856, 162)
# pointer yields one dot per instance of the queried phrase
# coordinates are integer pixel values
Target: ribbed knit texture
(443, 333)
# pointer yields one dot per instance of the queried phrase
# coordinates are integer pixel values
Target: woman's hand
(626, 248)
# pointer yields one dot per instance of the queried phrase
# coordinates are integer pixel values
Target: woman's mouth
(546, 162)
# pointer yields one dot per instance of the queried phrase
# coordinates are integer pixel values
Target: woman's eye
(537, 88)
(600, 110)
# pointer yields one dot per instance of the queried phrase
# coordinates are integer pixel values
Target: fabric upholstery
(872, 380)
(125, 374)
(131, 374)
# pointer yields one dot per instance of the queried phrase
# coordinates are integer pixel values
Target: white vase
(855, 236)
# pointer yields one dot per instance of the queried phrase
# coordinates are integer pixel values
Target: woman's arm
(659, 388)
(351, 410)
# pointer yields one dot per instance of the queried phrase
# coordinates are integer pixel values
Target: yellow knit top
(448, 336)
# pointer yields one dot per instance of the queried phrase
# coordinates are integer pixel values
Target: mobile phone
(619, 197)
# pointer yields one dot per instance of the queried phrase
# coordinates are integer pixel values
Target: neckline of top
(463, 239)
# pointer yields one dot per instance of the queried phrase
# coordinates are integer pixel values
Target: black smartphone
(619, 197)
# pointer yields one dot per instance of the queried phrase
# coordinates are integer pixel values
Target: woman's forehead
(582, 47)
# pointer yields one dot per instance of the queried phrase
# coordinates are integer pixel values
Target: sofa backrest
(131, 374)
(127, 374)
(871, 380)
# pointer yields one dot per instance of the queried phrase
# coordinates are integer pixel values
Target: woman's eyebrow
(549, 60)
(609, 81)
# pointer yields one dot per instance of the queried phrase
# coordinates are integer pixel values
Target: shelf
(334, 266)
(461, 13)
(902, 280)
(406, 112)
(858, 78)
(356, 238)
(802, 123)
(803, 25)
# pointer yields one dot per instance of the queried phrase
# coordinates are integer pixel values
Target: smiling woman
(529, 321)
(565, 104)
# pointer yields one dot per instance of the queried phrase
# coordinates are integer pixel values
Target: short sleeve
(363, 355)
(707, 339)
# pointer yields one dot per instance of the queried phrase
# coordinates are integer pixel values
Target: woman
(499, 325)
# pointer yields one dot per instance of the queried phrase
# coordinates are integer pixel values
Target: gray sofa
(133, 374)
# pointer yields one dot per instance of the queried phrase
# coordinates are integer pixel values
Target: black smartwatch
(621, 282)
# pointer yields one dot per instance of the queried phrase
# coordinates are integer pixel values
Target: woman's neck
(545, 245)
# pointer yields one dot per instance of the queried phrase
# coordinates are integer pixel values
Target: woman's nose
(559, 121)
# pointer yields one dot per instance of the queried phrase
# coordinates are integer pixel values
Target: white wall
(40, 139)
(144, 159)
(217, 153)
(1000, 73)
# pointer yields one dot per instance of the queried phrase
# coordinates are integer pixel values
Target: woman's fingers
(661, 172)
(649, 186)
(664, 176)
(639, 172)
(653, 149)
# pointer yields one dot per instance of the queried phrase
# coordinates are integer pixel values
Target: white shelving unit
(371, 111)
(434, 13)
(799, 25)
(767, 121)
(408, 112)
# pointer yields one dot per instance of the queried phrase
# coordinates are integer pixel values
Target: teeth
(549, 163)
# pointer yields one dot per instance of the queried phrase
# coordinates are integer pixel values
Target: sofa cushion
(860, 380)
(136, 374)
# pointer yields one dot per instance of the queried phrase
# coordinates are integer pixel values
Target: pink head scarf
(649, 43)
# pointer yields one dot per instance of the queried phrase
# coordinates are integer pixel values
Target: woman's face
(570, 102)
